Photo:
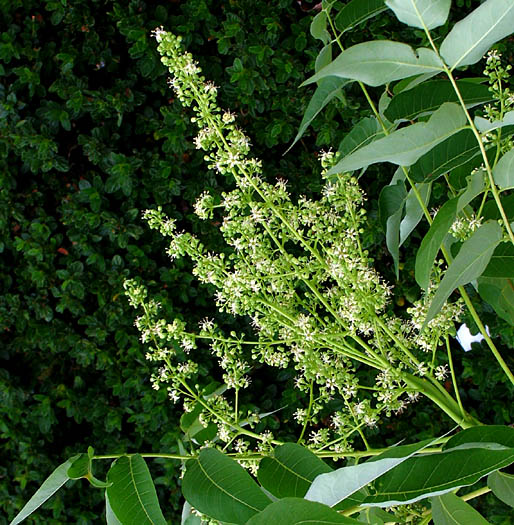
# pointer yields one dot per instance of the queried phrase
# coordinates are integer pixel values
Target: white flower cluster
(463, 227)
(299, 271)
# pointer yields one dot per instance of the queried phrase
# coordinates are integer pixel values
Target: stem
(475, 493)
(308, 414)
(257, 456)
(146, 455)
(236, 406)
(231, 424)
(454, 378)
(442, 399)
(484, 333)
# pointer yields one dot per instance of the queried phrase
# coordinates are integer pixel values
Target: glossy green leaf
(290, 471)
(193, 428)
(411, 82)
(404, 212)
(413, 211)
(376, 516)
(500, 434)
(393, 222)
(391, 204)
(357, 11)
(323, 59)
(471, 261)
(428, 97)
(504, 171)
(378, 62)
(297, 511)
(502, 262)
(445, 217)
(406, 145)
(48, 488)
(364, 132)
(392, 197)
(458, 150)
(187, 517)
(448, 470)
(502, 486)
(484, 126)
(449, 509)
(109, 513)
(473, 36)
(132, 495)
(491, 211)
(319, 27)
(82, 468)
(460, 174)
(421, 13)
(336, 486)
(499, 293)
(220, 488)
(328, 89)
(194, 520)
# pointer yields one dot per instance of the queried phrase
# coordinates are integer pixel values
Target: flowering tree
(297, 269)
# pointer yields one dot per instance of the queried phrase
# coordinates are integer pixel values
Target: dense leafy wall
(85, 146)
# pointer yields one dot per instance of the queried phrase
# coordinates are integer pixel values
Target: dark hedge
(89, 137)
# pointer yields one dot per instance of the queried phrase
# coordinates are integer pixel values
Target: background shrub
(85, 148)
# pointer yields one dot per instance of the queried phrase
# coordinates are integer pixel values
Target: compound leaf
(484, 126)
(499, 293)
(499, 434)
(328, 89)
(319, 27)
(502, 262)
(336, 486)
(110, 517)
(364, 132)
(438, 230)
(448, 470)
(504, 171)
(428, 97)
(458, 150)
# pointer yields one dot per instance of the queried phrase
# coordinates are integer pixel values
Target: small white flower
(158, 33)
(210, 88)
(206, 325)
(441, 372)
(228, 117)
(422, 369)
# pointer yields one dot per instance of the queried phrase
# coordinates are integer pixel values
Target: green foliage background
(89, 137)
